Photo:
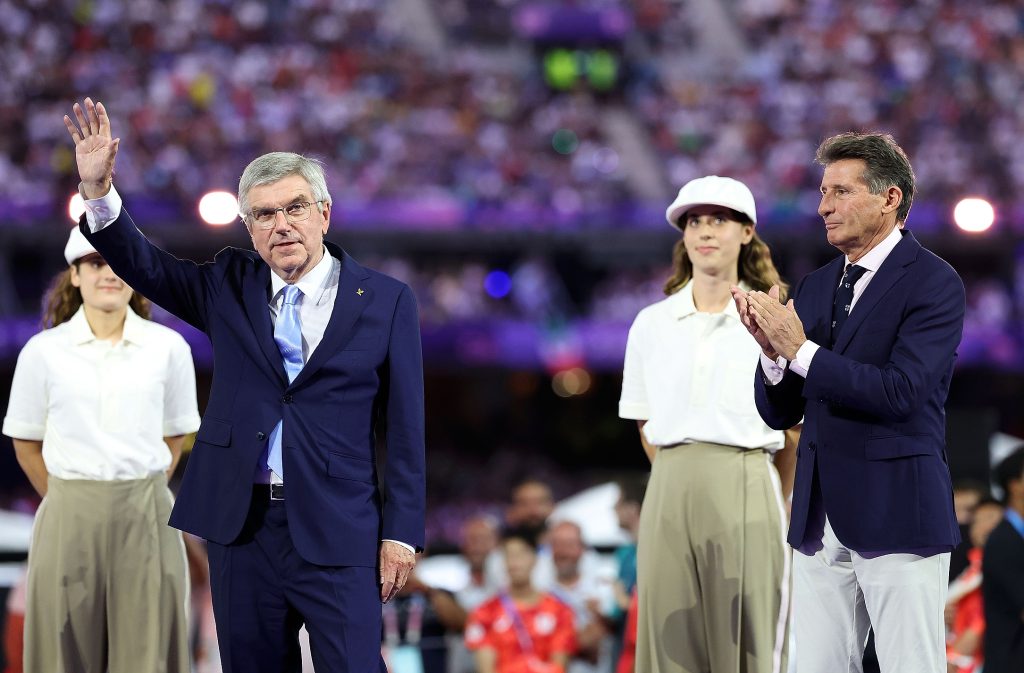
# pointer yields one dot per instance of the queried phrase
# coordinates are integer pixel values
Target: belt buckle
(277, 491)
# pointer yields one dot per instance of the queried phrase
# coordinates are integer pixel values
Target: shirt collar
(134, 330)
(310, 284)
(874, 257)
(79, 328)
(681, 303)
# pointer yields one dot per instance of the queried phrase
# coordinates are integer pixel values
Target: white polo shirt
(690, 375)
(101, 409)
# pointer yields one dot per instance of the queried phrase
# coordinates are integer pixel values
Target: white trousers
(838, 594)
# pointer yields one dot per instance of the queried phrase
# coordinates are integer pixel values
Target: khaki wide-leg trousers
(713, 564)
(107, 580)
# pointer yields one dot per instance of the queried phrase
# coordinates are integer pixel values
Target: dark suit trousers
(263, 592)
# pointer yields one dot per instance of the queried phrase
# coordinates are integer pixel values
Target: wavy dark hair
(62, 300)
(755, 264)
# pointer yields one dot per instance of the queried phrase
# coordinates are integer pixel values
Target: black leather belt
(268, 491)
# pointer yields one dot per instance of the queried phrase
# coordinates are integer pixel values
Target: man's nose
(281, 222)
(825, 205)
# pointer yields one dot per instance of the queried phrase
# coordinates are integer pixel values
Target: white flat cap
(715, 191)
(78, 246)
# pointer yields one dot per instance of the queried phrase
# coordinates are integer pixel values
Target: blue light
(498, 284)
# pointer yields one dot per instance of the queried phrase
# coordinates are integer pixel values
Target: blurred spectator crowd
(467, 125)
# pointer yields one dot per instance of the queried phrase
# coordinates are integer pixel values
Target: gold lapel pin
(360, 292)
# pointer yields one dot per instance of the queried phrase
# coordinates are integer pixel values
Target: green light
(561, 69)
(564, 141)
(602, 69)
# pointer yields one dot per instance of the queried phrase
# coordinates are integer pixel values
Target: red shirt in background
(548, 623)
(970, 612)
(627, 660)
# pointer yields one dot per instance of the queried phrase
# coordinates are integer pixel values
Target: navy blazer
(873, 449)
(365, 375)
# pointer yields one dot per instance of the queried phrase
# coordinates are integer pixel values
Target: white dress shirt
(871, 262)
(319, 288)
(102, 409)
(690, 375)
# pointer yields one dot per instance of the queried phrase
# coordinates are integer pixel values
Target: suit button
(261, 435)
(811, 446)
(287, 399)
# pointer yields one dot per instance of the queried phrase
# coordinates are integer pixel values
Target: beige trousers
(107, 580)
(713, 565)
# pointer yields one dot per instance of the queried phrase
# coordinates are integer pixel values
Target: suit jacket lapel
(892, 269)
(254, 296)
(821, 332)
(354, 295)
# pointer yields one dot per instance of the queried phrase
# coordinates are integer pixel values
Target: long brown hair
(755, 265)
(62, 300)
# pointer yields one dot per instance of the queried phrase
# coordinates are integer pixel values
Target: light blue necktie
(288, 335)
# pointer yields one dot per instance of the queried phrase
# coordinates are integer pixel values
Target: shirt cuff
(773, 370)
(401, 544)
(802, 363)
(30, 432)
(102, 211)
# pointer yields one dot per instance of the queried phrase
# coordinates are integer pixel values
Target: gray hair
(887, 163)
(274, 166)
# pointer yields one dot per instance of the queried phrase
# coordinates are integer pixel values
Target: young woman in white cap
(713, 565)
(99, 406)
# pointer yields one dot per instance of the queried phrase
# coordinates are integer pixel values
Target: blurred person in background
(100, 405)
(479, 541)
(864, 354)
(523, 629)
(1002, 568)
(311, 350)
(967, 493)
(587, 594)
(965, 616)
(530, 506)
(417, 624)
(627, 510)
(713, 566)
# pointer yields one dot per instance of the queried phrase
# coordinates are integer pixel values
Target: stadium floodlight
(974, 215)
(218, 208)
(76, 207)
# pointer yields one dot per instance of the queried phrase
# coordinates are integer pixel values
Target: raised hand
(94, 148)
(749, 320)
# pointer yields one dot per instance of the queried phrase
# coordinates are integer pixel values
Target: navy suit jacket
(872, 451)
(365, 375)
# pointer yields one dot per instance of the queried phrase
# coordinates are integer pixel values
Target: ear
(893, 199)
(326, 212)
(76, 280)
(748, 233)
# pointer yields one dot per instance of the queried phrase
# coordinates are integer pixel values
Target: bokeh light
(571, 382)
(76, 206)
(218, 208)
(974, 215)
(564, 141)
(498, 284)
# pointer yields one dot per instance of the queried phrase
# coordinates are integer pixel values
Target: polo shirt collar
(681, 303)
(134, 330)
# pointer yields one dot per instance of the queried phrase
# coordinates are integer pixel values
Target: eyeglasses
(266, 218)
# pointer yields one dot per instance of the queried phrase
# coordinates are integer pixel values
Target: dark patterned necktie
(844, 298)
